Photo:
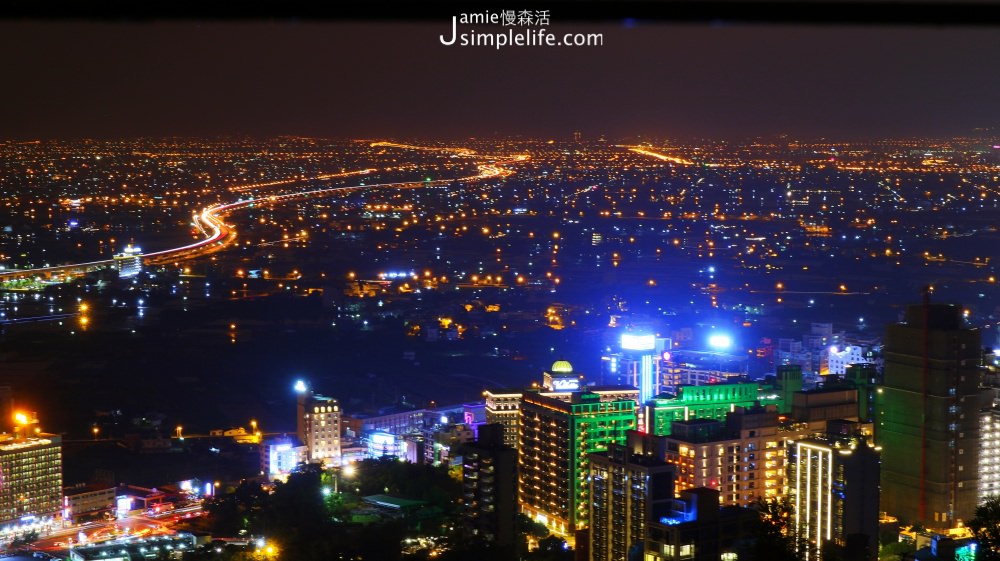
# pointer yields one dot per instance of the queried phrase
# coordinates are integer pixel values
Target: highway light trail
(659, 156)
(446, 149)
(219, 234)
(253, 186)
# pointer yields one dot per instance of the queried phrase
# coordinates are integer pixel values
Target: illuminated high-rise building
(318, 426)
(30, 477)
(560, 381)
(744, 458)
(556, 437)
(129, 262)
(489, 487)
(989, 453)
(641, 363)
(629, 486)
(929, 417)
(831, 482)
(503, 408)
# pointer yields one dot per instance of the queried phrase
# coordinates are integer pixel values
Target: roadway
(220, 235)
(58, 542)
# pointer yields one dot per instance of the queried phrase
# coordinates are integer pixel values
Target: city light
(633, 342)
(705, 236)
(720, 341)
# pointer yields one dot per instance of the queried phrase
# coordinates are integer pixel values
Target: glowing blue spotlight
(300, 386)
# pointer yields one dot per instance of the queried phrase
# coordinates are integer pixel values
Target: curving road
(219, 234)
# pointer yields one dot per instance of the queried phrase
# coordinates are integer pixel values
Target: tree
(530, 526)
(896, 551)
(551, 548)
(25, 539)
(986, 527)
(775, 538)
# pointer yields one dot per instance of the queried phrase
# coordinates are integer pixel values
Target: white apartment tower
(318, 426)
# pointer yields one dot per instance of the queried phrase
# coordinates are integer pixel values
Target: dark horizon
(378, 79)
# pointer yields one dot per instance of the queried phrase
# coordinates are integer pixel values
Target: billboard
(565, 384)
(634, 342)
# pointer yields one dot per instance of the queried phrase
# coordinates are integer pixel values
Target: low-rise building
(82, 502)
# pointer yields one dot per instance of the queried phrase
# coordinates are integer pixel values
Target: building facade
(929, 417)
(559, 381)
(556, 437)
(832, 480)
(989, 453)
(698, 529)
(714, 401)
(502, 408)
(489, 487)
(627, 490)
(83, 501)
(744, 458)
(840, 358)
(30, 479)
(280, 456)
(318, 427)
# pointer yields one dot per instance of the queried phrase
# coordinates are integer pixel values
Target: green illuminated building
(713, 401)
(864, 378)
(928, 418)
(556, 438)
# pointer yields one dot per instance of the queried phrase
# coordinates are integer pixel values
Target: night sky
(367, 78)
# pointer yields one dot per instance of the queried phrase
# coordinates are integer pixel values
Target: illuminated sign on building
(720, 341)
(647, 379)
(382, 444)
(282, 459)
(124, 506)
(565, 384)
(633, 342)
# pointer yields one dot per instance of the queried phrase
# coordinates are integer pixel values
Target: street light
(347, 470)
(96, 430)
(180, 432)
